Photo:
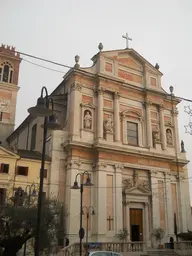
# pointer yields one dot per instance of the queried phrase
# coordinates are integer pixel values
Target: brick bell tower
(9, 73)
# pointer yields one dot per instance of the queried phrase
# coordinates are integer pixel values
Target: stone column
(116, 116)
(100, 113)
(75, 113)
(176, 130)
(147, 238)
(155, 200)
(169, 213)
(127, 216)
(162, 127)
(118, 198)
(101, 209)
(148, 124)
(73, 220)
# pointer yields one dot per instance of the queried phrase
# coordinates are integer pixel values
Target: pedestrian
(66, 241)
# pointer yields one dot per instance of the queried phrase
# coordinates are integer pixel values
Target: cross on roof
(127, 40)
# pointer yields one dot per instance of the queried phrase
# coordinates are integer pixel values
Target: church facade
(118, 124)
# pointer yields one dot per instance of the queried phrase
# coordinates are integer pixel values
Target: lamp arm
(46, 92)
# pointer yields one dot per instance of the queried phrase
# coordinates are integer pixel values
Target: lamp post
(31, 189)
(42, 109)
(87, 216)
(88, 183)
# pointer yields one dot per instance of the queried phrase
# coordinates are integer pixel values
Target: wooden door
(136, 224)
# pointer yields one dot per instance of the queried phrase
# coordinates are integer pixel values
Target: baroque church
(119, 124)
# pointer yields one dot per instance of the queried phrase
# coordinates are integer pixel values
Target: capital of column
(76, 86)
(99, 90)
(161, 107)
(119, 166)
(147, 103)
(116, 95)
(174, 112)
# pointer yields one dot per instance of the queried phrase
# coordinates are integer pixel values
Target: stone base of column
(109, 136)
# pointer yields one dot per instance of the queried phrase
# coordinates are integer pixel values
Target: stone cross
(127, 40)
(110, 220)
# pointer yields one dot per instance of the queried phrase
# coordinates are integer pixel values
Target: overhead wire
(41, 66)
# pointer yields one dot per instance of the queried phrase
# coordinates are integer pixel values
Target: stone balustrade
(120, 247)
(183, 245)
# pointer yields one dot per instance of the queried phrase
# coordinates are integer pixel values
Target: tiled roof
(31, 154)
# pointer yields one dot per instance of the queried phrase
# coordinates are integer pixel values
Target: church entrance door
(136, 224)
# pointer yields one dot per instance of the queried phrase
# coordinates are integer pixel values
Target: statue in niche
(87, 119)
(182, 147)
(156, 136)
(108, 124)
(169, 137)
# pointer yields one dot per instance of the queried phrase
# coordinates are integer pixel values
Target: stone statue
(156, 136)
(182, 147)
(87, 120)
(108, 125)
(169, 137)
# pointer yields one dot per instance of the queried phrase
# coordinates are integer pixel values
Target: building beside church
(9, 74)
(21, 169)
(18, 167)
(119, 124)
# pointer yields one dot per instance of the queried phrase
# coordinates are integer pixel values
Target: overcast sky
(58, 30)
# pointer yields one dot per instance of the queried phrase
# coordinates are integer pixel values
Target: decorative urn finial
(100, 46)
(77, 62)
(157, 66)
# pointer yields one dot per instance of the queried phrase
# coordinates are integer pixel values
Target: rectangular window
(1, 74)
(11, 77)
(22, 170)
(1, 116)
(132, 133)
(4, 168)
(2, 196)
(45, 173)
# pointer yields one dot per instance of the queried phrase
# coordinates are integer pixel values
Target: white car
(103, 253)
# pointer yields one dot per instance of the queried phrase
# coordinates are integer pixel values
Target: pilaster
(148, 123)
(75, 110)
(118, 198)
(176, 130)
(101, 200)
(147, 234)
(100, 113)
(116, 116)
(155, 199)
(73, 195)
(169, 213)
(162, 126)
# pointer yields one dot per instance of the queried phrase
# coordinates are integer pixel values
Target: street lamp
(88, 183)
(42, 109)
(31, 189)
(87, 216)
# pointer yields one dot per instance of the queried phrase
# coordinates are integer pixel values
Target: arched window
(6, 72)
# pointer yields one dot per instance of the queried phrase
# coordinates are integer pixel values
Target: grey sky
(58, 30)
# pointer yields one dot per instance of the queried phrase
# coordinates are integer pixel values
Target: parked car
(103, 253)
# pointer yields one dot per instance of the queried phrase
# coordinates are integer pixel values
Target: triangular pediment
(130, 58)
(87, 105)
(4, 152)
(139, 190)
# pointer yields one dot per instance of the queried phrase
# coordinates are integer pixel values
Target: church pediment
(132, 112)
(7, 153)
(139, 190)
(136, 186)
(125, 60)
